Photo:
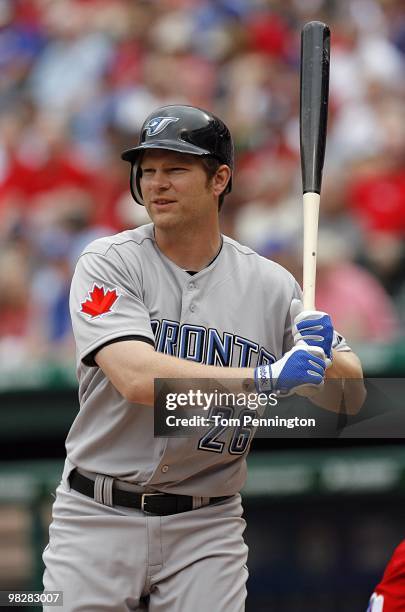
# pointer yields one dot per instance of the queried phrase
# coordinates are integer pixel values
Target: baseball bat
(314, 95)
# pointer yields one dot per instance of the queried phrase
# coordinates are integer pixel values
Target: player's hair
(211, 165)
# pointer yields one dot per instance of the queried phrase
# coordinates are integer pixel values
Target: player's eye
(147, 171)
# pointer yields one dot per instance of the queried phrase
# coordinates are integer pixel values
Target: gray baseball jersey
(235, 312)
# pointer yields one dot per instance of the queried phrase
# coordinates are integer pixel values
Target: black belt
(161, 504)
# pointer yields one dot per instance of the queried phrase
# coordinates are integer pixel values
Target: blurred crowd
(78, 77)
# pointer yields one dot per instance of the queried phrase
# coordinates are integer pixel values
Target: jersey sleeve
(339, 343)
(105, 304)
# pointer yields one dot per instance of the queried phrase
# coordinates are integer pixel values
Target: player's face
(175, 188)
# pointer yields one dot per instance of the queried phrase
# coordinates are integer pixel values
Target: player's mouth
(162, 202)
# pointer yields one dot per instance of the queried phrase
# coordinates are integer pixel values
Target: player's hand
(298, 371)
(312, 327)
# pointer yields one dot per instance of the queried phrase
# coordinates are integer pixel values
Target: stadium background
(77, 77)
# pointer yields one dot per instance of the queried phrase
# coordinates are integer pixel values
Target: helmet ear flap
(134, 183)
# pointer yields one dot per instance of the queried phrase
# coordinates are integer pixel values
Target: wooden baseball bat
(314, 94)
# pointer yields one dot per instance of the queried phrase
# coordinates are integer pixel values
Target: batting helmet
(186, 129)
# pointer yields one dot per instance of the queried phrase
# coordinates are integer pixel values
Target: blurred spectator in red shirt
(360, 307)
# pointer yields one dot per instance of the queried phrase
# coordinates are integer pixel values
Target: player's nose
(160, 180)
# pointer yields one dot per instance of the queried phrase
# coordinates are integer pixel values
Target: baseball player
(389, 594)
(144, 523)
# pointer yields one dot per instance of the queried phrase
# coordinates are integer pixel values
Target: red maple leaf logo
(100, 301)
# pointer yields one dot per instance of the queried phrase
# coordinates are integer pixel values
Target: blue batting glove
(294, 372)
(313, 327)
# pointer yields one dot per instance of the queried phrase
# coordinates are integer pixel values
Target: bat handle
(311, 216)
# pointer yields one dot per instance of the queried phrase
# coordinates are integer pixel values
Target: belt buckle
(143, 500)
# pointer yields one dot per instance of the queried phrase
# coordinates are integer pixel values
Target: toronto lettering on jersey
(197, 343)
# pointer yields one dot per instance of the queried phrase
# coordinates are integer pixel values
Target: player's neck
(191, 252)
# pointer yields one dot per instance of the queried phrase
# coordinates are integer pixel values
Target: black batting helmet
(185, 129)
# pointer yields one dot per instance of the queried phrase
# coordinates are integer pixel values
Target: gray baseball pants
(119, 559)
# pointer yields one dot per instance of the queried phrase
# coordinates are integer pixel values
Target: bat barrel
(314, 89)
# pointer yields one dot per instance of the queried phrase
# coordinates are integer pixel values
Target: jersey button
(193, 307)
(191, 285)
(165, 468)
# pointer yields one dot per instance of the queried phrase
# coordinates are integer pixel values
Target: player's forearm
(344, 389)
(169, 367)
(135, 376)
(345, 364)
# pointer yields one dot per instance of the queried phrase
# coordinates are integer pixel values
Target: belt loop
(98, 488)
(103, 489)
(197, 502)
(108, 490)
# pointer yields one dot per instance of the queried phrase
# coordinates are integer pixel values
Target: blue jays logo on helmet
(158, 124)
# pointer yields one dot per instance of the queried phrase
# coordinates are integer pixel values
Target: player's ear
(221, 179)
